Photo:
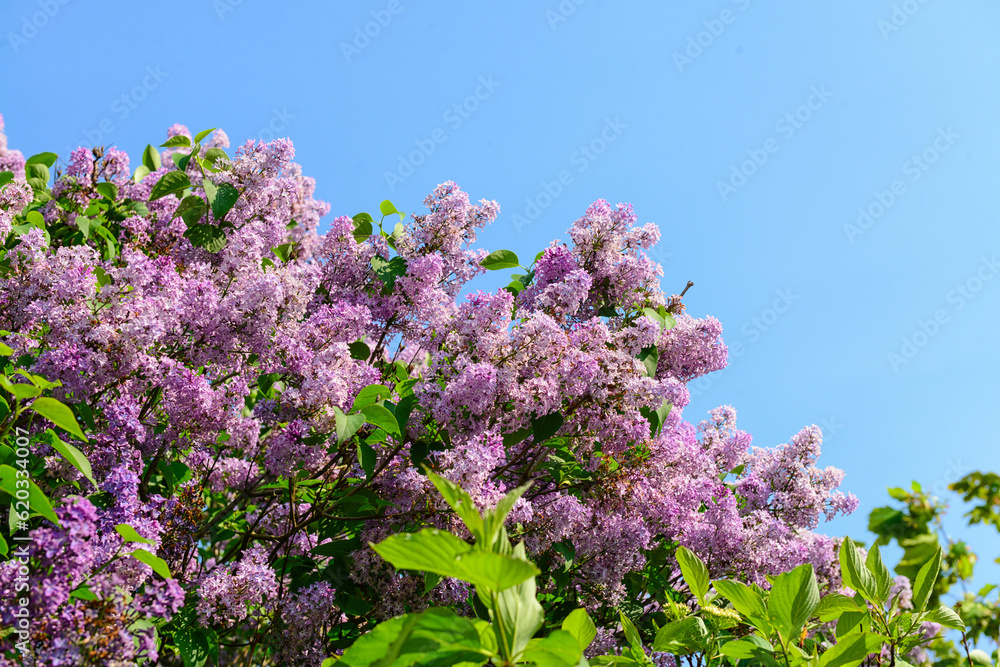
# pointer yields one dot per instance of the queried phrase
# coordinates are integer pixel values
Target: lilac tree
(260, 401)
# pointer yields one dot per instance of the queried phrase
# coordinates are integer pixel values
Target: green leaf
(695, 573)
(495, 519)
(37, 171)
(748, 647)
(362, 227)
(221, 197)
(47, 159)
(359, 350)
(20, 390)
(402, 412)
(282, 251)
(58, 414)
(851, 651)
(158, 564)
(500, 259)
(831, 606)
(682, 637)
(206, 236)
(71, 454)
(6, 177)
(650, 357)
(35, 218)
(83, 592)
(557, 649)
(151, 158)
(37, 500)
(102, 279)
(665, 320)
(794, 595)
(381, 417)
(213, 156)
(6, 350)
(373, 393)
(176, 141)
(372, 647)
(181, 160)
(883, 580)
(201, 135)
(543, 428)
(367, 458)
(945, 616)
(85, 225)
(108, 190)
(141, 172)
(387, 208)
(38, 380)
(923, 585)
(347, 425)
(388, 270)
(854, 572)
(461, 502)
(193, 648)
(745, 600)
(657, 418)
(518, 615)
(130, 534)
(432, 550)
(515, 287)
(191, 209)
(435, 637)
(631, 632)
(579, 624)
(169, 183)
(978, 657)
(514, 437)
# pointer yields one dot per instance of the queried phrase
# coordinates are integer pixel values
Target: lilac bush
(260, 401)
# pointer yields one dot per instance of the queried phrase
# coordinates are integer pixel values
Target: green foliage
(500, 259)
(504, 581)
(730, 624)
(738, 624)
(984, 490)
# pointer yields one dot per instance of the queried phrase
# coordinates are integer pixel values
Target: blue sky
(825, 173)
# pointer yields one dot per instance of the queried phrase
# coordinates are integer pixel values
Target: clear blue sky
(840, 104)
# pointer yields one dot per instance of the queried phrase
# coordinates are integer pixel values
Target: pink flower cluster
(221, 379)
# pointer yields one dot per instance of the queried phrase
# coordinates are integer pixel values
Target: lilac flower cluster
(70, 628)
(216, 380)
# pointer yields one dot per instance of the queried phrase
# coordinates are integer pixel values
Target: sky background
(751, 133)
